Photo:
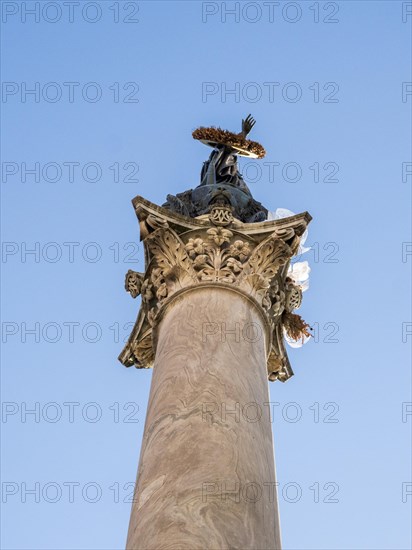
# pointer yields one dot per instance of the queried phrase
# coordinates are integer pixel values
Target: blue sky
(327, 95)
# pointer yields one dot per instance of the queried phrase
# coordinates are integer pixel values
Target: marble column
(206, 474)
(213, 294)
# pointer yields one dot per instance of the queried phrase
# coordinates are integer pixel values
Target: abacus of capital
(215, 298)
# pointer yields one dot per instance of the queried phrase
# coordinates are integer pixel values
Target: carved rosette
(182, 252)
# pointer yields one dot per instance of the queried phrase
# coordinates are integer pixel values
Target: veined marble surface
(206, 474)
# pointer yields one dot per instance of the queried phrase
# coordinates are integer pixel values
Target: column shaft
(206, 477)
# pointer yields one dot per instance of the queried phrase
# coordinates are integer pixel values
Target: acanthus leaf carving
(262, 267)
(171, 260)
(180, 254)
(169, 269)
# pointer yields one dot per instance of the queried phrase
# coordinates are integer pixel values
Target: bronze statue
(220, 179)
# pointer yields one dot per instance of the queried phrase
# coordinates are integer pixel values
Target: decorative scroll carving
(181, 253)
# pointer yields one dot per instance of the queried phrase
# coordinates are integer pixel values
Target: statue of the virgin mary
(220, 176)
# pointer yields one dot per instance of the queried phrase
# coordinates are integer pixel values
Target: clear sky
(118, 88)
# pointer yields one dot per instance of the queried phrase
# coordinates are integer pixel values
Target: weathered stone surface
(206, 473)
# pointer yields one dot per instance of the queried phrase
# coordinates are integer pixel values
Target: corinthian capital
(214, 249)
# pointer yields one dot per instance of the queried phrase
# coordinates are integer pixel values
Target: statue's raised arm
(247, 125)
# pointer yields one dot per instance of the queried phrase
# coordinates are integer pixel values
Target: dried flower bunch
(295, 327)
(224, 137)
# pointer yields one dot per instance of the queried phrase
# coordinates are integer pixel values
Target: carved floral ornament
(180, 254)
